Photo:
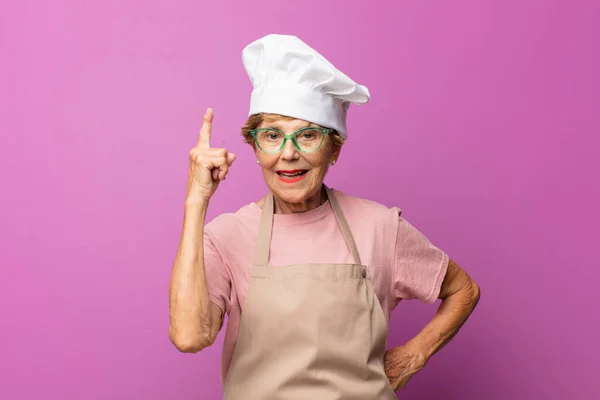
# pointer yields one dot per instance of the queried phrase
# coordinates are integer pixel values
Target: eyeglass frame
(291, 137)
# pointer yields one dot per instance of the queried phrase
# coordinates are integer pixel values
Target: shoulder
(365, 209)
(227, 225)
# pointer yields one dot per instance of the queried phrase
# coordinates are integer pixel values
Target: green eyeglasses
(307, 140)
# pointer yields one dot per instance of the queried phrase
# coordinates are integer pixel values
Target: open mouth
(292, 174)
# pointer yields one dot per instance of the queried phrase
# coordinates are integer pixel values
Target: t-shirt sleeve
(217, 276)
(419, 266)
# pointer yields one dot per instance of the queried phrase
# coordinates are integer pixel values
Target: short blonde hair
(255, 120)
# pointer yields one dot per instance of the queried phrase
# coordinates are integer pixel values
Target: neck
(312, 202)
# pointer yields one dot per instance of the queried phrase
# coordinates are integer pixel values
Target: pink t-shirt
(402, 262)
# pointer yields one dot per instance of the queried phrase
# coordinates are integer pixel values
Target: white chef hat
(290, 78)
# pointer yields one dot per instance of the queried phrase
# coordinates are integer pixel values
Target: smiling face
(293, 176)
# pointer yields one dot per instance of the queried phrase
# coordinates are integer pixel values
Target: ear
(335, 154)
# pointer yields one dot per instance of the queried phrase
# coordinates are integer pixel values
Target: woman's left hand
(401, 363)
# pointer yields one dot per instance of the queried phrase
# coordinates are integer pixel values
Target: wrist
(420, 348)
(197, 203)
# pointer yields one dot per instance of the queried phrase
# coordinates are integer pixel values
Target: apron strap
(343, 224)
(265, 230)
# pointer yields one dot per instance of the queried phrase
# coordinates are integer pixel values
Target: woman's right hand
(208, 166)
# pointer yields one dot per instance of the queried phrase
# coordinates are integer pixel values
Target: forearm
(453, 312)
(190, 311)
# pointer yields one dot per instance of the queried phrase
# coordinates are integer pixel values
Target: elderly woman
(308, 275)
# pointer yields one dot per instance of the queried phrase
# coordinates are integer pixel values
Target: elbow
(475, 292)
(189, 343)
(187, 346)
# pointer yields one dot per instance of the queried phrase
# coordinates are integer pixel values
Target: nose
(289, 151)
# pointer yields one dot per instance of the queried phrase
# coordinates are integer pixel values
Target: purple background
(483, 127)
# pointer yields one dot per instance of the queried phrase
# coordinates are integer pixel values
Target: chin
(297, 194)
(292, 195)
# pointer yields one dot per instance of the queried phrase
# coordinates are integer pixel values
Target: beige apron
(309, 331)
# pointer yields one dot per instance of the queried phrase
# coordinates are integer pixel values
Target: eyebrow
(276, 125)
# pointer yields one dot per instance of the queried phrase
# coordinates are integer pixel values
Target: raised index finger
(204, 136)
